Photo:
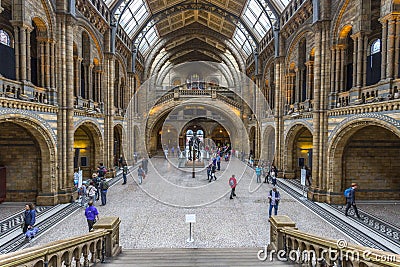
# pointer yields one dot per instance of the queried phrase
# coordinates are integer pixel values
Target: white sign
(190, 218)
(303, 177)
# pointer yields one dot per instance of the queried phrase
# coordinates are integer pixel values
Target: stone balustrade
(390, 105)
(81, 250)
(26, 92)
(287, 242)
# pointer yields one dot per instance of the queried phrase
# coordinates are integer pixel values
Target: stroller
(31, 233)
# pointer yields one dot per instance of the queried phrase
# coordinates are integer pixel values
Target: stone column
(310, 78)
(17, 49)
(42, 64)
(22, 55)
(109, 109)
(90, 81)
(397, 49)
(99, 96)
(364, 61)
(390, 48)
(360, 54)
(384, 48)
(47, 64)
(280, 81)
(342, 70)
(355, 66)
(28, 53)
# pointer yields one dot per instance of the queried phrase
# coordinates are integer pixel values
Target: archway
(88, 148)
(220, 136)
(299, 143)
(268, 149)
(27, 162)
(370, 158)
(117, 151)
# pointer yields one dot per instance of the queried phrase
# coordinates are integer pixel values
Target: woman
(91, 191)
(29, 217)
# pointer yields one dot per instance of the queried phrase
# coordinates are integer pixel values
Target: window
(135, 14)
(148, 41)
(257, 19)
(376, 46)
(4, 38)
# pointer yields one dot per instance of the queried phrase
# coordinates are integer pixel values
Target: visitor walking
(124, 172)
(103, 189)
(232, 184)
(141, 174)
(91, 215)
(213, 170)
(218, 162)
(274, 198)
(351, 199)
(145, 164)
(92, 191)
(29, 217)
(209, 167)
(258, 173)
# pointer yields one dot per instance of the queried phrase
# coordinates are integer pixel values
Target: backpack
(102, 172)
(105, 185)
(347, 192)
(231, 182)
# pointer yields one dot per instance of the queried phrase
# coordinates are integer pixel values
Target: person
(124, 172)
(91, 215)
(172, 151)
(141, 174)
(145, 163)
(213, 170)
(267, 173)
(219, 162)
(103, 190)
(258, 173)
(96, 183)
(274, 198)
(232, 184)
(135, 156)
(120, 161)
(308, 175)
(351, 200)
(82, 192)
(209, 177)
(101, 170)
(29, 217)
(273, 178)
(91, 191)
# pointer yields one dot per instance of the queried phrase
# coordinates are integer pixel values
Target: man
(213, 170)
(101, 173)
(92, 191)
(232, 184)
(274, 198)
(258, 174)
(103, 190)
(351, 200)
(29, 217)
(209, 177)
(96, 183)
(124, 172)
(219, 162)
(91, 214)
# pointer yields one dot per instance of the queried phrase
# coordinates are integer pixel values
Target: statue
(194, 147)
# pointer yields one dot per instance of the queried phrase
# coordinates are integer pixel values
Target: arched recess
(299, 144)
(118, 152)
(365, 151)
(28, 160)
(88, 148)
(38, 39)
(268, 149)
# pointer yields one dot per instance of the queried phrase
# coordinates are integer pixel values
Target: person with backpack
(232, 184)
(101, 171)
(103, 190)
(91, 215)
(274, 198)
(350, 194)
(96, 183)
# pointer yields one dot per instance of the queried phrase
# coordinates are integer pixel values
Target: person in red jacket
(232, 183)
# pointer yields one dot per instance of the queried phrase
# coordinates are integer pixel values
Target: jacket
(277, 196)
(352, 196)
(30, 217)
(232, 182)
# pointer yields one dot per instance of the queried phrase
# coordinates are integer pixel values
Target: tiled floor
(153, 216)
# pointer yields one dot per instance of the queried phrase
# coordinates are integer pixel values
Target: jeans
(273, 207)
(124, 177)
(233, 192)
(218, 165)
(140, 179)
(258, 178)
(90, 224)
(348, 205)
(103, 197)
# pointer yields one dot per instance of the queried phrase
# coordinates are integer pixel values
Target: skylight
(149, 39)
(135, 14)
(255, 17)
(242, 42)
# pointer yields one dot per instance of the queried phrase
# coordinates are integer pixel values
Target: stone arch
(268, 144)
(94, 37)
(87, 136)
(354, 135)
(118, 150)
(298, 144)
(32, 133)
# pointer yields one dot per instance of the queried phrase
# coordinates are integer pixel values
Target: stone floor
(153, 215)
(389, 212)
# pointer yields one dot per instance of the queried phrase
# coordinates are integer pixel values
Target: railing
(289, 243)
(93, 247)
(194, 92)
(229, 101)
(366, 108)
(17, 90)
(290, 10)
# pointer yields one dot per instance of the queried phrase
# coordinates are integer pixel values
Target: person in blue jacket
(29, 217)
(351, 200)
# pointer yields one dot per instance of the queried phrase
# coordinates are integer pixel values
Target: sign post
(303, 181)
(190, 218)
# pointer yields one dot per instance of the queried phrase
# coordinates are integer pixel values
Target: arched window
(4, 38)
(374, 62)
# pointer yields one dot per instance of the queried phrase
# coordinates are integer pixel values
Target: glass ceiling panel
(257, 19)
(148, 41)
(135, 14)
(108, 2)
(282, 4)
(241, 42)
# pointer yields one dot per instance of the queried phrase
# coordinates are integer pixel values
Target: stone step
(240, 257)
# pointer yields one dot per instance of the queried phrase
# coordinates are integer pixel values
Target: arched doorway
(87, 149)
(268, 150)
(27, 162)
(220, 136)
(299, 145)
(370, 158)
(117, 145)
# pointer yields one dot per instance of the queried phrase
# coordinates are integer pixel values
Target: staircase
(221, 257)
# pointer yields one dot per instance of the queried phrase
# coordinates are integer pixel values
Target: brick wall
(371, 160)
(20, 153)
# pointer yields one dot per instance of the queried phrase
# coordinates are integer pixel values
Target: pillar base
(46, 200)
(67, 196)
